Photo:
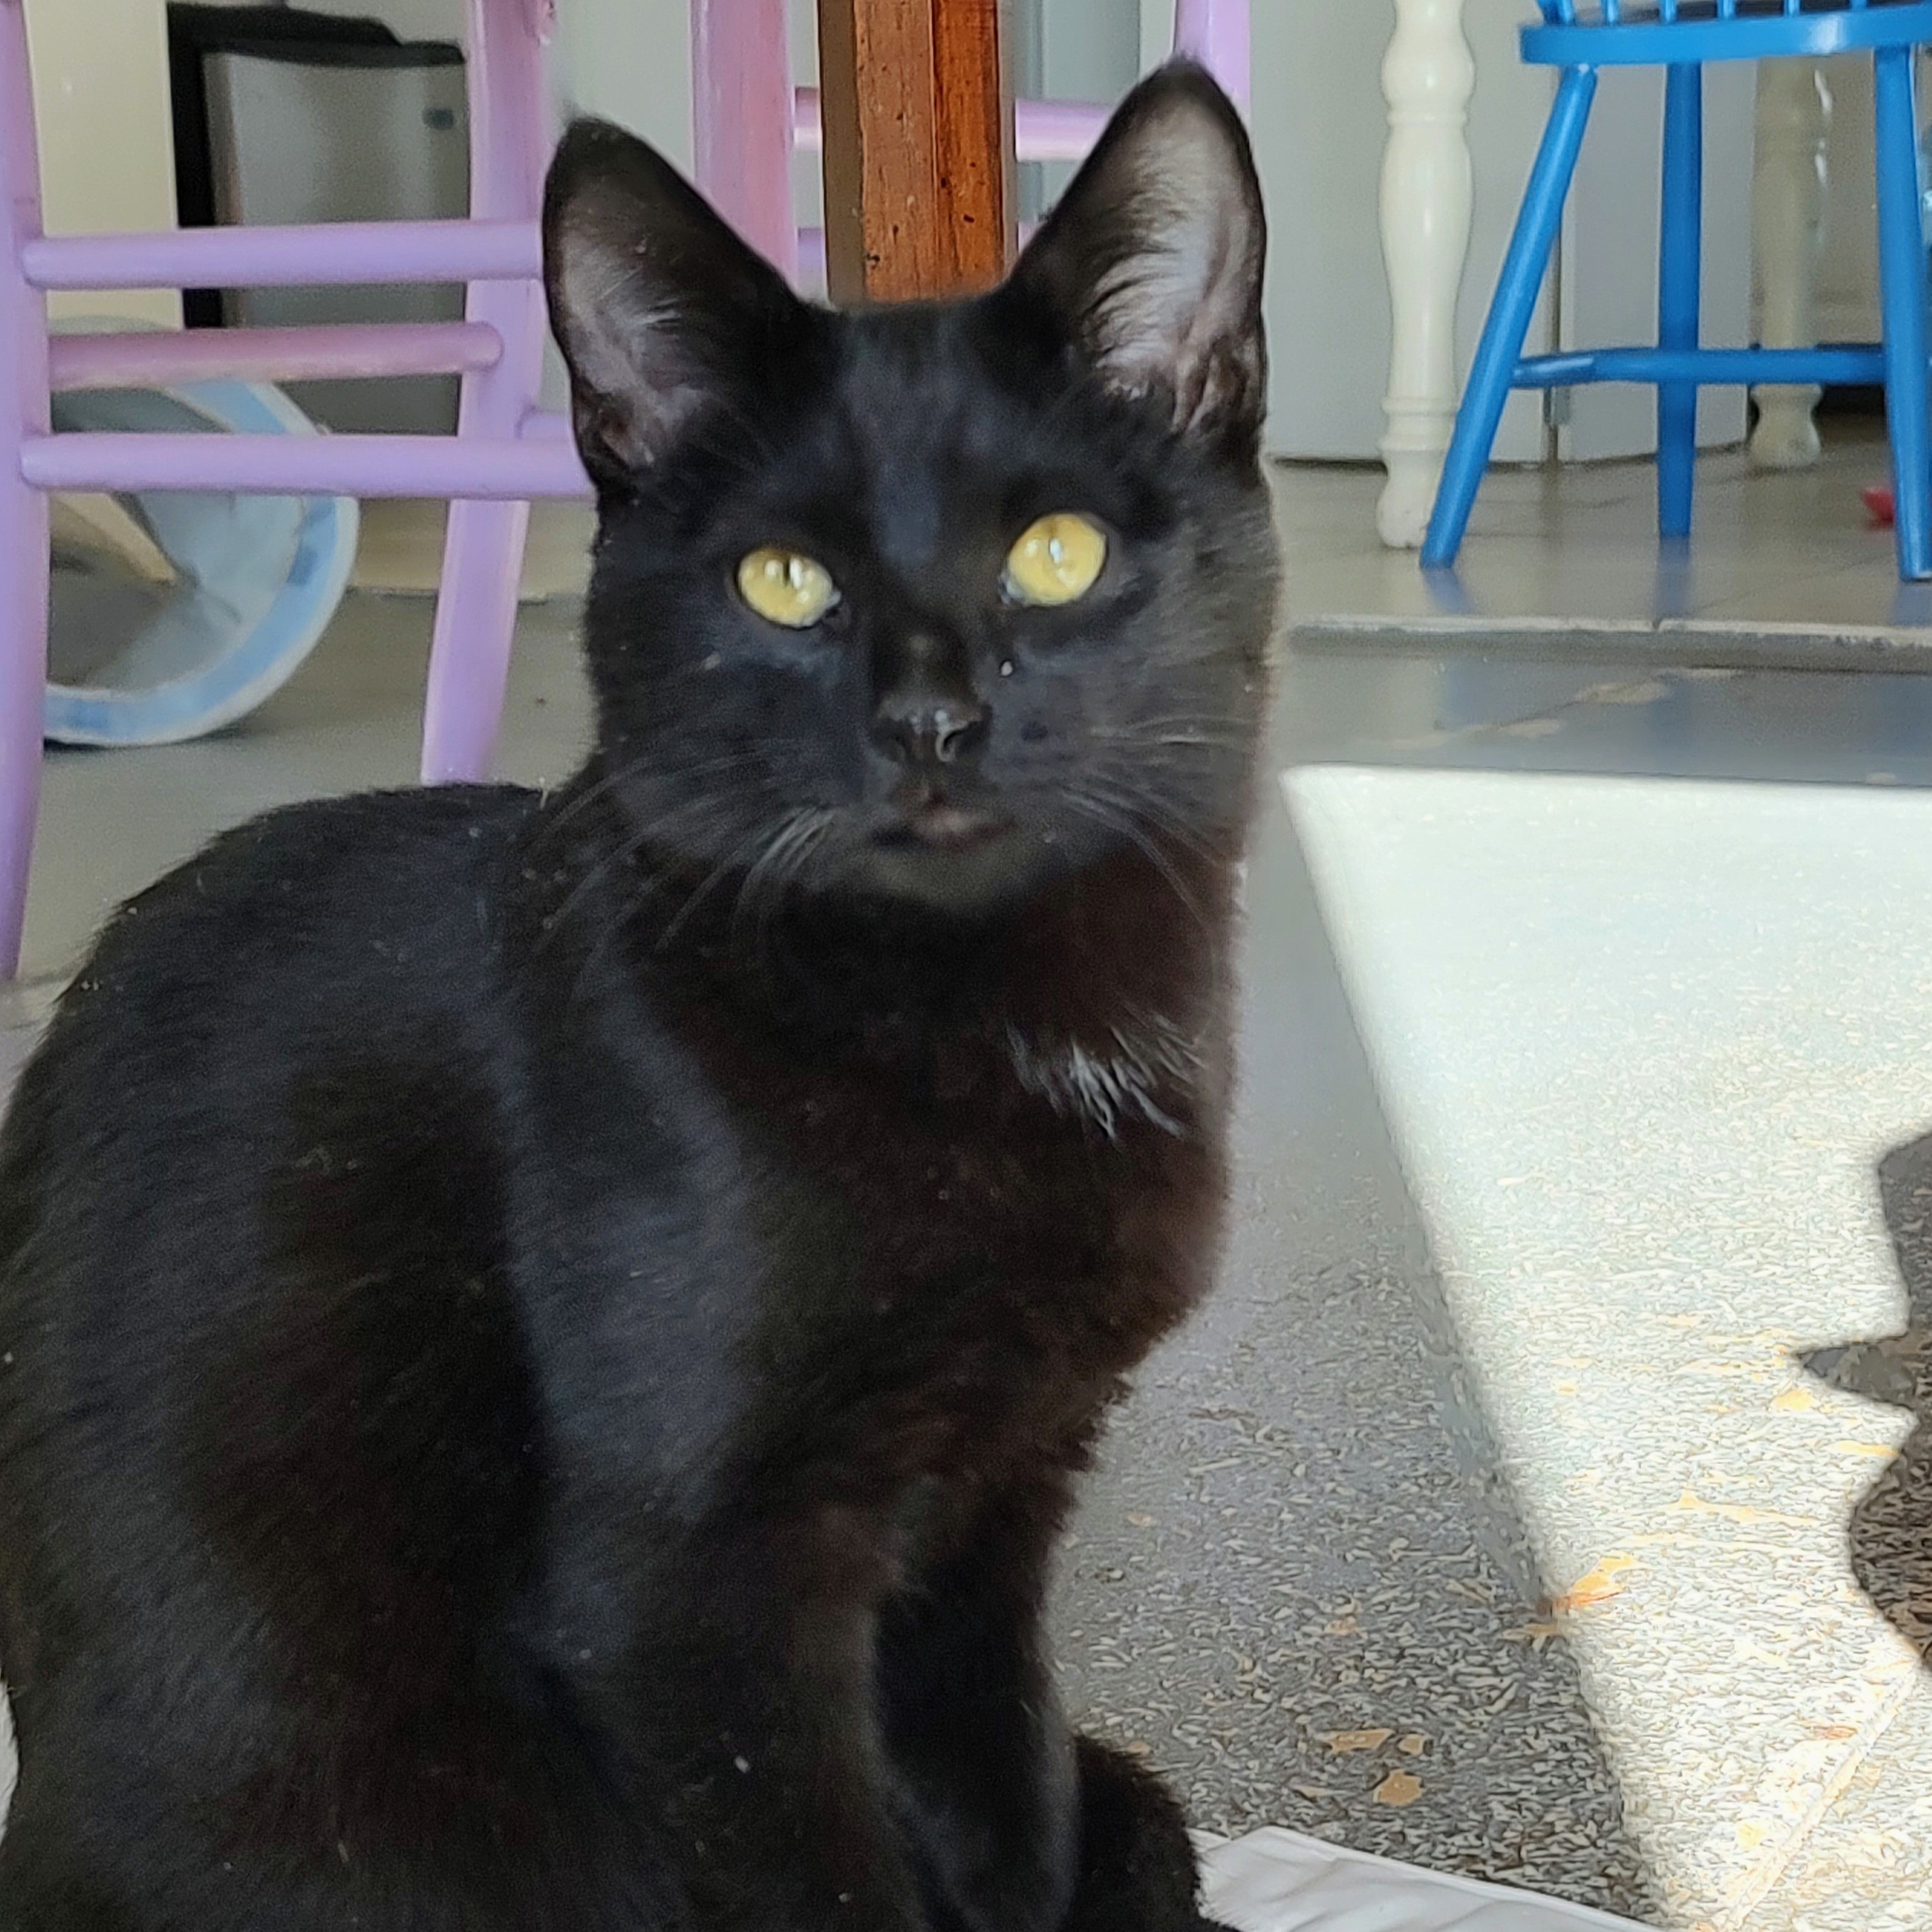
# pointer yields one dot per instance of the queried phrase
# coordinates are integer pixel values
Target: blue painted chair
(1581, 37)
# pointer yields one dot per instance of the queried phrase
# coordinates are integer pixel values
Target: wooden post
(919, 147)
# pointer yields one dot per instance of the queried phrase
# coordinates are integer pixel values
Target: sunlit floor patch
(1645, 1045)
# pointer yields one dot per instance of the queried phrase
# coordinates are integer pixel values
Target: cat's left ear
(661, 311)
(1152, 261)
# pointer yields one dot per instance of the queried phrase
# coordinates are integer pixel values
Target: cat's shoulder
(322, 843)
(332, 856)
(369, 897)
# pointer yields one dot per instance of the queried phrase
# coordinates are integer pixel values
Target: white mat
(1275, 1881)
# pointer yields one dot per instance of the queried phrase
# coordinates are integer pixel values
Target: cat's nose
(925, 709)
(923, 728)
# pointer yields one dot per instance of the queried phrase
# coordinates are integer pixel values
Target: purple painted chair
(506, 451)
(749, 117)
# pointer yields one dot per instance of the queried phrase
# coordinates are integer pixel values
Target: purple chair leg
(23, 510)
(483, 550)
(1215, 32)
(741, 113)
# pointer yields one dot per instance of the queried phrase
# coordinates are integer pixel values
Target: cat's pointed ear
(660, 309)
(1152, 261)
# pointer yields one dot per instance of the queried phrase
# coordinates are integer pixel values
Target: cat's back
(290, 919)
(221, 1015)
(303, 936)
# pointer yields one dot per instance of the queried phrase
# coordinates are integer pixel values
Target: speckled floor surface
(1567, 1098)
(1639, 1125)
(1300, 1577)
(1646, 1045)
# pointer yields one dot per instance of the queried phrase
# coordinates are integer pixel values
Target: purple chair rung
(505, 452)
(1043, 131)
(472, 467)
(158, 357)
(1056, 131)
(328, 254)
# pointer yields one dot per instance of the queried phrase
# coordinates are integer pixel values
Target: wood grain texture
(919, 147)
(974, 144)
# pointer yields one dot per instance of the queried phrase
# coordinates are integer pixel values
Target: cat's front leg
(760, 1724)
(1017, 1825)
(983, 1759)
(1137, 1869)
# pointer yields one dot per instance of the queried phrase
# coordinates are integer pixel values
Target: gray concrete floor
(1402, 1542)
(1589, 1006)
(1301, 1531)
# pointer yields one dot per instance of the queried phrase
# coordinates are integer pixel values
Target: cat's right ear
(1152, 261)
(660, 309)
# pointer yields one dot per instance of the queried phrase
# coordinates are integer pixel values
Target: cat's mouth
(940, 824)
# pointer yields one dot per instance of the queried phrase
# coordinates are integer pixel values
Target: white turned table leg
(1428, 76)
(1788, 205)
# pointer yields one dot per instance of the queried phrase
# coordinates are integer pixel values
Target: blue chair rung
(1580, 38)
(1845, 363)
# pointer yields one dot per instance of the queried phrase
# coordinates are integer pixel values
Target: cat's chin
(947, 860)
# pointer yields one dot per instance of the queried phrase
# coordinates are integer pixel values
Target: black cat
(547, 1340)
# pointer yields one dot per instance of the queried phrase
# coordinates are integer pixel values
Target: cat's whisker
(1230, 731)
(1229, 740)
(647, 761)
(771, 875)
(1201, 720)
(1117, 821)
(660, 827)
(721, 871)
(765, 867)
(1142, 807)
(665, 827)
(629, 909)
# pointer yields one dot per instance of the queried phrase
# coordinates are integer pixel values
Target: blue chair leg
(1517, 289)
(1680, 272)
(1901, 251)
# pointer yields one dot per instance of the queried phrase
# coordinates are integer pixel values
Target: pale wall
(100, 98)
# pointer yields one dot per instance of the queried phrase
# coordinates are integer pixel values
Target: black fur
(545, 1342)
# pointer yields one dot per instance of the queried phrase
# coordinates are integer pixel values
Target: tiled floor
(1566, 1092)
(1792, 548)
(1574, 544)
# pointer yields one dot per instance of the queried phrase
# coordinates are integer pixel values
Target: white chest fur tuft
(1141, 1063)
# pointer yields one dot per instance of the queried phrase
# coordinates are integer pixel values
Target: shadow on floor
(1891, 1529)
(1556, 712)
(1298, 1586)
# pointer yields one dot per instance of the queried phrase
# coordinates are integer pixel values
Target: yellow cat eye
(1058, 560)
(786, 588)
